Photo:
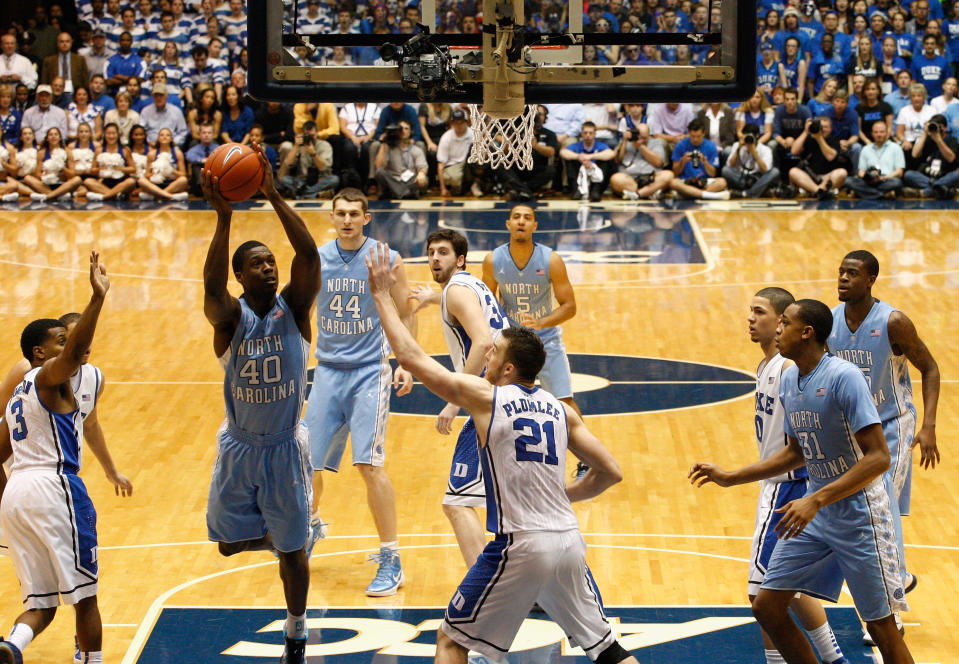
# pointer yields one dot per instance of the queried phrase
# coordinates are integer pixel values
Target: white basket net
(502, 142)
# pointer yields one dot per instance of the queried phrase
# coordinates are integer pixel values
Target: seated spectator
(720, 122)
(160, 115)
(864, 61)
(205, 112)
(9, 116)
(905, 40)
(44, 115)
(749, 171)
(137, 99)
(139, 151)
(934, 155)
(196, 155)
(15, 68)
(277, 122)
(948, 96)
(758, 111)
(768, 68)
(669, 122)
(523, 184)
(123, 117)
(890, 64)
(929, 68)
(82, 111)
(819, 171)
(642, 161)
(111, 176)
(606, 119)
(822, 102)
(98, 96)
(912, 119)
(825, 65)
(565, 121)
(202, 71)
(236, 119)
(845, 128)
(138, 38)
(899, 97)
(855, 94)
(256, 136)
(400, 164)
(872, 110)
(357, 124)
(452, 153)
(53, 176)
(789, 120)
(9, 185)
(160, 76)
(793, 69)
(61, 98)
(25, 159)
(83, 150)
(166, 173)
(393, 114)
(881, 167)
(696, 166)
(588, 163)
(307, 169)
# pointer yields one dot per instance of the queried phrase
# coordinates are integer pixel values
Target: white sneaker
(630, 195)
(11, 197)
(181, 196)
(94, 196)
(722, 195)
(38, 197)
(145, 196)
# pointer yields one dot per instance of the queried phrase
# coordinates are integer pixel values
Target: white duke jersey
(770, 415)
(42, 439)
(86, 388)
(869, 349)
(457, 340)
(524, 462)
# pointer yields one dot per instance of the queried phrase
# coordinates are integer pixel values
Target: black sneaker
(943, 193)
(9, 653)
(294, 652)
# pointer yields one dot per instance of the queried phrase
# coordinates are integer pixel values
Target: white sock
(711, 196)
(824, 641)
(296, 626)
(392, 546)
(21, 635)
(898, 620)
(773, 657)
(91, 657)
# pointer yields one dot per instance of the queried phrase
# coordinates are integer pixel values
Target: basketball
(238, 168)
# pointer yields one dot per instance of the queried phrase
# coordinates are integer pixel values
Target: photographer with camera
(881, 165)
(696, 165)
(818, 172)
(400, 165)
(749, 171)
(307, 169)
(641, 160)
(935, 173)
(452, 155)
(911, 120)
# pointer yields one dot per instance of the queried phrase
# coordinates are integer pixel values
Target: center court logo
(677, 635)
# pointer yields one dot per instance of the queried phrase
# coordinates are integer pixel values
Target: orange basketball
(239, 169)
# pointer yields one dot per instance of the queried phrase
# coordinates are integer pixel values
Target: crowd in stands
(129, 98)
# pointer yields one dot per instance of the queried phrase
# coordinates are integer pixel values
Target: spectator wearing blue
(884, 6)
(899, 97)
(793, 68)
(98, 94)
(594, 13)
(890, 64)
(196, 155)
(201, 70)
(881, 167)
(951, 30)
(767, 69)
(139, 98)
(161, 115)
(825, 64)
(669, 24)
(9, 116)
(952, 118)
(129, 25)
(772, 26)
(588, 163)
(933, 8)
(237, 118)
(789, 121)
(878, 28)
(169, 34)
(124, 64)
(808, 24)
(928, 68)
(905, 40)
(696, 166)
(565, 120)
(791, 29)
(767, 5)
(919, 24)
(843, 42)
(845, 127)
(682, 18)
(934, 154)
(821, 104)
(256, 136)
(395, 112)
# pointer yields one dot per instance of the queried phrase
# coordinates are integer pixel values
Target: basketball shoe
(389, 574)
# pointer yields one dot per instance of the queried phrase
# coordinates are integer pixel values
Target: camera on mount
(425, 68)
(392, 135)
(815, 126)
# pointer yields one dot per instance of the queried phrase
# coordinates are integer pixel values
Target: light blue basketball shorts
(852, 539)
(354, 402)
(555, 376)
(900, 432)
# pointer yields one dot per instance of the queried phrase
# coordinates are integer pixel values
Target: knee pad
(613, 654)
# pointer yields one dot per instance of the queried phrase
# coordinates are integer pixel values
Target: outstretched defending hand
(704, 473)
(382, 277)
(98, 275)
(211, 192)
(268, 187)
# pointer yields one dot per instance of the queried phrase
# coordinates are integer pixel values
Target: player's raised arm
(220, 308)
(467, 391)
(304, 284)
(59, 369)
(603, 471)
(902, 334)
(787, 459)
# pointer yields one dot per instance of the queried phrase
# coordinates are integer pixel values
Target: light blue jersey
(824, 410)
(526, 290)
(265, 372)
(349, 333)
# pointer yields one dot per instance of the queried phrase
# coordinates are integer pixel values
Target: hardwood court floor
(675, 546)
